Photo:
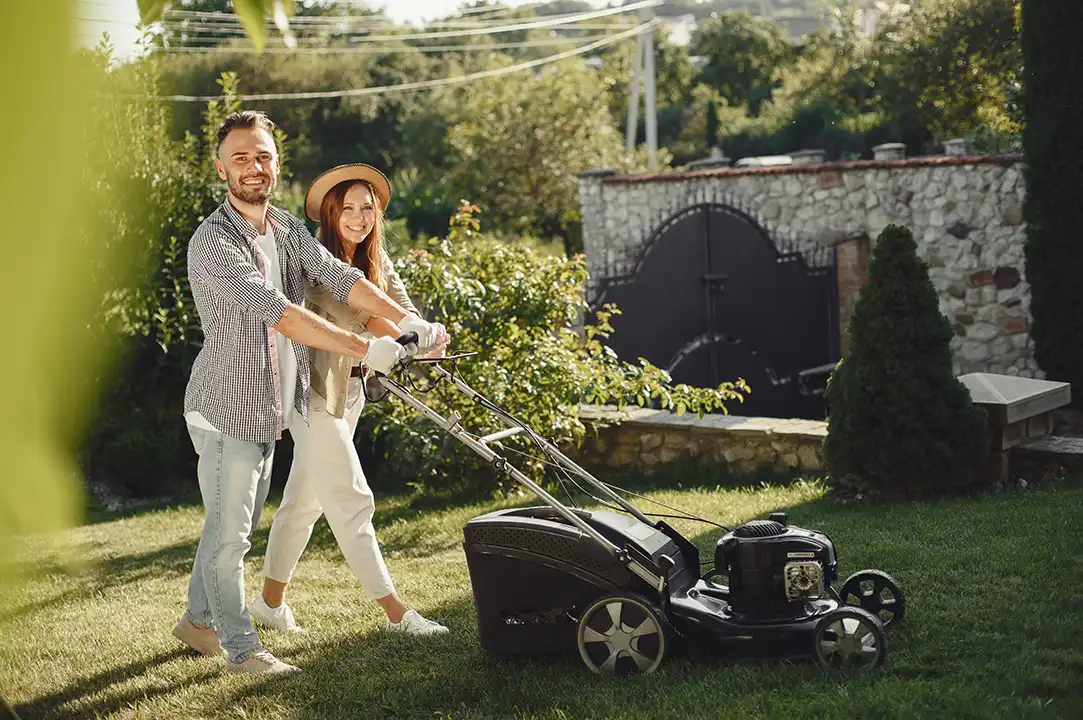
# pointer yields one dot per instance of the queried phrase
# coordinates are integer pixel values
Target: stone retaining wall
(647, 438)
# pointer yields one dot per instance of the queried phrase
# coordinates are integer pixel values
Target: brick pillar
(851, 273)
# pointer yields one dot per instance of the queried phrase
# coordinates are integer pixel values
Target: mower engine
(774, 569)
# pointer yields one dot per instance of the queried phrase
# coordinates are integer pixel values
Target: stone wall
(646, 438)
(965, 213)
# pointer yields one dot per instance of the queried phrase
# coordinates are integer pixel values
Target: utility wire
(530, 25)
(363, 20)
(422, 84)
(377, 50)
(196, 29)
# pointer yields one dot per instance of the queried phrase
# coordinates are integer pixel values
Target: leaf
(150, 11)
(251, 14)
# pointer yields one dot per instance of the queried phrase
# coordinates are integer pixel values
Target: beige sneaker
(203, 640)
(261, 662)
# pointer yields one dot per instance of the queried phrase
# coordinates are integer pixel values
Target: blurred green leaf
(251, 13)
(151, 10)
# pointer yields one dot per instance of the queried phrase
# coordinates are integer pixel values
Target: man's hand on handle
(384, 354)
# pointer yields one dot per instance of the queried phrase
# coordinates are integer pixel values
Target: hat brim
(354, 171)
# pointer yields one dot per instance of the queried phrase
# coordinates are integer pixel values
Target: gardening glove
(384, 354)
(429, 335)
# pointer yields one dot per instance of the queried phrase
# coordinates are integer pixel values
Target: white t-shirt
(287, 357)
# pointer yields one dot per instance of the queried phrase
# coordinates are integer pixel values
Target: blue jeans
(234, 477)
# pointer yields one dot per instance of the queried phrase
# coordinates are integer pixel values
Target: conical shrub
(900, 424)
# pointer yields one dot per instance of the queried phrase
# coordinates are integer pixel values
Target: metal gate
(713, 298)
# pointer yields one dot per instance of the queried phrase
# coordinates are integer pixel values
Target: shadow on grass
(53, 705)
(986, 634)
(114, 572)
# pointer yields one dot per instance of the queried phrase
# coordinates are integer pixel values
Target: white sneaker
(413, 623)
(261, 662)
(279, 618)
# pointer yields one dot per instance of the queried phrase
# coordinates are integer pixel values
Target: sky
(119, 18)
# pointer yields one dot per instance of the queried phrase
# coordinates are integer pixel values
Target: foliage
(519, 311)
(744, 55)
(941, 70)
(899, 422)
(520, 145)
(1053, 142)
(956, 65)
(399, 130)
(162, 191)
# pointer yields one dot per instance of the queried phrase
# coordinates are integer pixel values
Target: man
(248, 263)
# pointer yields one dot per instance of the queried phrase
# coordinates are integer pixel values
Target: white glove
(427, 332)
(384, 354)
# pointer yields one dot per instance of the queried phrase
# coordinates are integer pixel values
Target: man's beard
(252, 195)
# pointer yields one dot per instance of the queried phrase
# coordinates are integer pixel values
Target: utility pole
(643, 72)
(652, 111)
(633, 97)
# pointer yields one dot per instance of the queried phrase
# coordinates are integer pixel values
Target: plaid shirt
(234, 382)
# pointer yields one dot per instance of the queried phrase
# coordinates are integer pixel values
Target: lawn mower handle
(406, 340)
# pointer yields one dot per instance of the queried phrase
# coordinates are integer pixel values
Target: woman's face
(358, 215)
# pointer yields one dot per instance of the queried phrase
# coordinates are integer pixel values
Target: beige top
(331, 371)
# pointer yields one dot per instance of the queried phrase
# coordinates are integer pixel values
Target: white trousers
(326, 478)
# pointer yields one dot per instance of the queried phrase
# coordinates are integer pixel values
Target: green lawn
(994, 586)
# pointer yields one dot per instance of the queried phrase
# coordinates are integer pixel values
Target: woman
(326, 477)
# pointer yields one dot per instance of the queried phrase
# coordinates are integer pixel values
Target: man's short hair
(247, 119)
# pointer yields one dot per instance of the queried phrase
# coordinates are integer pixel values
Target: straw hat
(353, 171)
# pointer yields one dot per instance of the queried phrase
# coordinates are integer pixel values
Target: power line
(530, 25)
(376, 50)
(423, 84)
(185, 16)
(197, 29)
(493, 10)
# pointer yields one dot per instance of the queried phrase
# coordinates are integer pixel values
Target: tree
(520, 144)
(744, 55)
(953, 68)
(1053, 142)
(899, 422)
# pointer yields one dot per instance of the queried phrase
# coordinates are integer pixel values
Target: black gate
(713, 298)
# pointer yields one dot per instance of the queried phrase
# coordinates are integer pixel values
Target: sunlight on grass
(993, 585)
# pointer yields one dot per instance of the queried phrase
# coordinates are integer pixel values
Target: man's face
(248, 162)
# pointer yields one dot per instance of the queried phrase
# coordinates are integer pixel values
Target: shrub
(519, 310)
(1053, 141)
(899, 422)
(161, 190)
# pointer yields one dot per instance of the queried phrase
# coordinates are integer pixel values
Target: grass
(994, 587)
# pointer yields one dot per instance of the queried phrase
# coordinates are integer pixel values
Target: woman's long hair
(367, 255)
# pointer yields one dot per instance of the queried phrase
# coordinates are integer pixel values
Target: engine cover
(773, 568)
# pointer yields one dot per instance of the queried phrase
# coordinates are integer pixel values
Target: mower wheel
(877, 592)
(622, 634)
(849, 638)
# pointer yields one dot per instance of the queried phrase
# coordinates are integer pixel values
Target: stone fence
(965, 213)
(646, 438)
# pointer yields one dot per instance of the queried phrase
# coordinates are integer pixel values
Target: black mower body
(533, 573)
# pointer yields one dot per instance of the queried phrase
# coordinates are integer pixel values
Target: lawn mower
(625, 590)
